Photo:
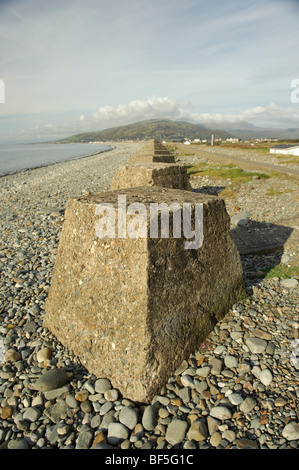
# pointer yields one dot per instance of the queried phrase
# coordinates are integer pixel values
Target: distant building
(285, 149)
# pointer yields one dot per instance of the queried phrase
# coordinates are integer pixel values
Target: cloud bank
(156, 107)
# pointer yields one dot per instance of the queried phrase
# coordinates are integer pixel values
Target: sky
(78, 66)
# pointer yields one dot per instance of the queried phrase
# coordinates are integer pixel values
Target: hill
(150, 129)
(245, 130)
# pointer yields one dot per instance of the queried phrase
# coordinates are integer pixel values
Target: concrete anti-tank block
(151, 174)
(133, 308)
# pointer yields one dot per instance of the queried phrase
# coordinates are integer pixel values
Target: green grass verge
(281, 271)
(224, 171)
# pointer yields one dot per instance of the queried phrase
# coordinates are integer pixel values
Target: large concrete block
(133, 308)
(151, 158)
(151, 174)
(153, 151)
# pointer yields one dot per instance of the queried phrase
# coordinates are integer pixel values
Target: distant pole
(212, 141)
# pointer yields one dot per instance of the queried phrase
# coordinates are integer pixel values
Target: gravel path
(240, 390)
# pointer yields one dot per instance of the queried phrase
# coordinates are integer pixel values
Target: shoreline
(54, 163)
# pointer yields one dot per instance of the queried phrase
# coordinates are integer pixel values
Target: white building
(285, 149)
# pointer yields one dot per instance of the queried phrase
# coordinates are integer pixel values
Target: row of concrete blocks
(133, 308)
(153, 165)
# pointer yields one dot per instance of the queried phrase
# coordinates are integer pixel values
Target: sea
(19, 157)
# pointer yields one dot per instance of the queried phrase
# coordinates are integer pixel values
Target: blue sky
(75, 66)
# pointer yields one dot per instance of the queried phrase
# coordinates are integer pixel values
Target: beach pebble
(220, 412)
(230, 362)
(289, 283)
(291, 431)
(53, 378)
(117, 433)
(266, 377)
(149, 418)
(256, 345)
(176, 431)
(102, 385)
(128, 417)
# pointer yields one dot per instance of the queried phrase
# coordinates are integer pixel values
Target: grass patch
(288, 159)
(225, 171)
(284, 272)
(275, 192)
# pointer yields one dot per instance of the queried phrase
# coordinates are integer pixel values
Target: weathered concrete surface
(133, 309)
(150, 158)
(153, 151)
(151, 174)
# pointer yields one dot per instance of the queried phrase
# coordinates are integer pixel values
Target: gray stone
(117, 433)
(71, 401)
(187, 381)
(219, 350)
(291, 431)
(176, 431)
(107, 419)
(106, 407)
(235, 398)
(240, 219)
(203, 371)
(14, 444)
(201, 385)
(57, 411)
(256, 345)
(230, 361)
(102, 385)
(289, 283)
(111, 395)
(220, 412)
(256, 370)
(247, 405)
(128, 416)
(149, 418)
(243, 367)
(266, 377)
(229, 435)
(51, 379)
(185, 394)
(57, 392)
(32, 414)
(216, 365)
(85, 438)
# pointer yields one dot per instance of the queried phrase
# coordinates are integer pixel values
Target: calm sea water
(15, 158)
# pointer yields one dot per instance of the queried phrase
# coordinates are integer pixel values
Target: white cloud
(156, 107)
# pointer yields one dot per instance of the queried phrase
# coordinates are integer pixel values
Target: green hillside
(150, 129)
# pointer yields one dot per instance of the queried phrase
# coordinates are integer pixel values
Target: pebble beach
(238, 391)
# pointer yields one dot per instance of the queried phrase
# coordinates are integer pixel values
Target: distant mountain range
(166, 129)
(159, 129)
(245, 130)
